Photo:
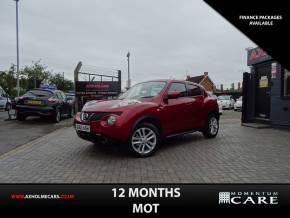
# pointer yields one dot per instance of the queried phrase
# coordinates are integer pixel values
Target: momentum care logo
(248, 198)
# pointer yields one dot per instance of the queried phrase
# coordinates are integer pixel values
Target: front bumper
(29, 110)
(101, 132)
(95, 138)
(238, 107)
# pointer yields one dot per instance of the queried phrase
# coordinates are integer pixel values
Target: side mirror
(173, 94)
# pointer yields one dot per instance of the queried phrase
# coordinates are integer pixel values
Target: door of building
(263, 90)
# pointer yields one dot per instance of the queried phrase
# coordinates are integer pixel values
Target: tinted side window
(179, 87)
(194, 90)
(58, 95)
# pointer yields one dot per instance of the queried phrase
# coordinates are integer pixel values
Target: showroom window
(286, 91)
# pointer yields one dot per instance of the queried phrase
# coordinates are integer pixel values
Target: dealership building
(266, 91)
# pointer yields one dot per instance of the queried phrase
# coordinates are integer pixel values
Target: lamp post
(129, 80)
(17, 49)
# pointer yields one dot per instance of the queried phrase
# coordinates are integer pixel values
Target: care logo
(248, 198)
(224, 198)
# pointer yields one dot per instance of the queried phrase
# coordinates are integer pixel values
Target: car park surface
(15, 133)
(237, 155)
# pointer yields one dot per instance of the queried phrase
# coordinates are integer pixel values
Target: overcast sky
(166, 38)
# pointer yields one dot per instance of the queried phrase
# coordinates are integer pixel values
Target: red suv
(147, 113)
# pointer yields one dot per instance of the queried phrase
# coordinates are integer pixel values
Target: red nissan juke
(147, 113)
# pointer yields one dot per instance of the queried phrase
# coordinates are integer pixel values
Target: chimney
(239, 86)
(206, 73)
(222, 87)
(187, 77)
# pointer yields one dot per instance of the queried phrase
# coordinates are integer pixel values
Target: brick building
(203, 80)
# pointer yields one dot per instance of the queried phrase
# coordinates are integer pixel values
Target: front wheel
(211, 127)
(144, 140)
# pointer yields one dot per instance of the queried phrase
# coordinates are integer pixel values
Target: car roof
(170, 81)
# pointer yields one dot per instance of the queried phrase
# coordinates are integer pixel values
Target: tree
(35, 74)
(61, 83)
(31, 76)
(7, 79)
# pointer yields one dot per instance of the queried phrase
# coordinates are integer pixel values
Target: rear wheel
(70, 113)
(211, 127)
(56, 116)
(20, 117)
(144, 140)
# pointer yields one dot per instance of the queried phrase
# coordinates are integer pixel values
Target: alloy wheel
(144, 140)
(213, 125)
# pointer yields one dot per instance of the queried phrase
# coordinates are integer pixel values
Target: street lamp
(17, 48)
(129, 80)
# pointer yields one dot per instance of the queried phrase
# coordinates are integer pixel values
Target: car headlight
(111, 120)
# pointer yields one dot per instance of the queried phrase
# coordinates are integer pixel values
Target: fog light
(111, 120)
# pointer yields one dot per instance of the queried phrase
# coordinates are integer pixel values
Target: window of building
(286, 91)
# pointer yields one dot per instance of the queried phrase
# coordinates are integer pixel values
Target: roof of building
(195, 79)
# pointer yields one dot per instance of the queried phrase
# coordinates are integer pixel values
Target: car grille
(94, 116)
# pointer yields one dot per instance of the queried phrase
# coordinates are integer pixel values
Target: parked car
(43, 102)
(147, 113)
(238, 104)
(5, 101)
(227, 101)
(219, 103)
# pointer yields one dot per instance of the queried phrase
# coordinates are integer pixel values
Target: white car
(239, 103)
(5, 102)
(227, 101)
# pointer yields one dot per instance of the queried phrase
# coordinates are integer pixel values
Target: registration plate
(33, 102)
(84, 128)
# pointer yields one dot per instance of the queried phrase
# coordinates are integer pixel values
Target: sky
(166, 38)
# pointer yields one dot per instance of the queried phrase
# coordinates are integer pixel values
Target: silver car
(5, 102)
(227, 101)
(239, 103)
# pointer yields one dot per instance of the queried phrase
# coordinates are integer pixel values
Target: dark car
(149, 112)
(43, 102)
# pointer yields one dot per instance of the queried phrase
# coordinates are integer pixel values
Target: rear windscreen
(39, 93)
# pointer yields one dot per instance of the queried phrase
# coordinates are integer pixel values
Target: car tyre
(56, 116)
(211, 127)
(71, 113)
(144, 140)
(20, 117)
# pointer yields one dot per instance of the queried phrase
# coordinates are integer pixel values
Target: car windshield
(224, 97)
(70, 97)
(144, 90)
(39, 93)
(240, 98)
